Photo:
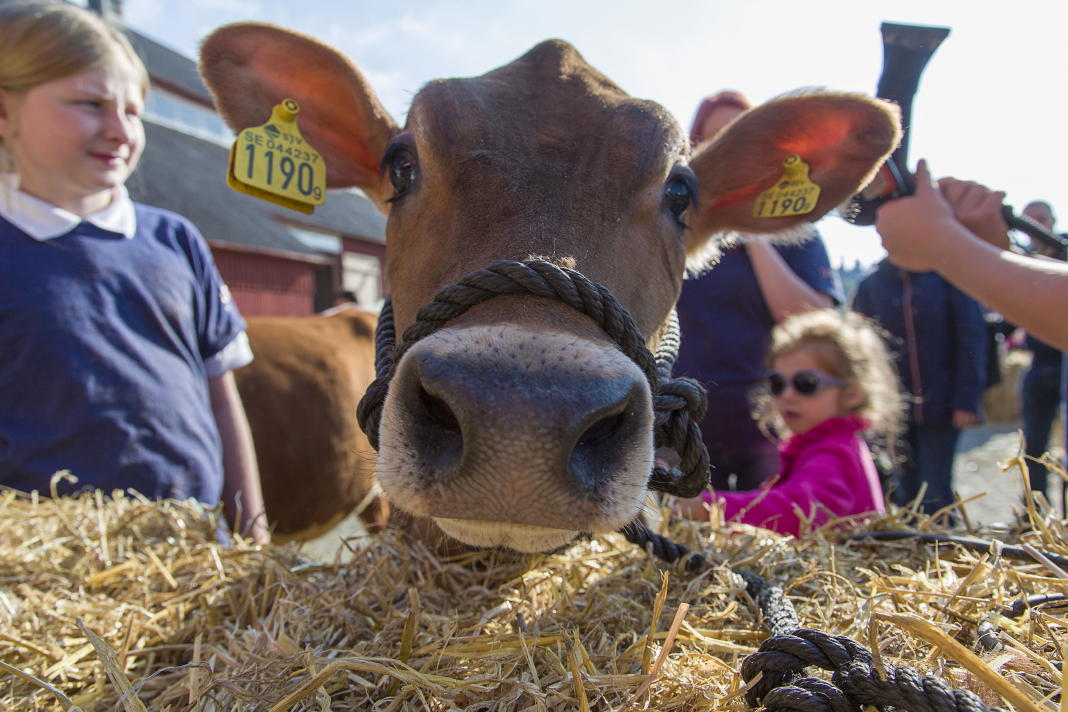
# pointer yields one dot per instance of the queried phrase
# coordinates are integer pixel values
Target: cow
(520, 423)
(300, 394)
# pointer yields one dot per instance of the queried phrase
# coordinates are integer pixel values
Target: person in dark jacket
(1041, 385)
(939, 345)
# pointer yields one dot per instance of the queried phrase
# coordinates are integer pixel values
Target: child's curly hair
(848, 346)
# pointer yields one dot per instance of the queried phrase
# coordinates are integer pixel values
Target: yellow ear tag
(794, 194)
(273, 162)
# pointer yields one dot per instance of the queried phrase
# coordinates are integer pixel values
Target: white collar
(43, 221)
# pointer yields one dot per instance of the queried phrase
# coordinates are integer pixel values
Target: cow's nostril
(599, 453)
(437, 436)
(604, 429)
(439, 412)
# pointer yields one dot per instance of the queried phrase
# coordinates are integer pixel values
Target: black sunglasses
(806, 382)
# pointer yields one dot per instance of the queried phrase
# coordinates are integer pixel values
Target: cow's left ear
(251, 66)
(842, 139)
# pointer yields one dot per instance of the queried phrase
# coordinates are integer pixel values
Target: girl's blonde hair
(45, 40)
(848, 346)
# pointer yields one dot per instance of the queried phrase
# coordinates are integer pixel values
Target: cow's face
(520, 423)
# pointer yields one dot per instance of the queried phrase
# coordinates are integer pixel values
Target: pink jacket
(826, 472)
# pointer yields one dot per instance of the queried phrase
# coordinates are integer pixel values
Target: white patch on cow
(506, 494)
(519, 537)
(710, 253)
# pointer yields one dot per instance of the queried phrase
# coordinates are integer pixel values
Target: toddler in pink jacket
(830, 380)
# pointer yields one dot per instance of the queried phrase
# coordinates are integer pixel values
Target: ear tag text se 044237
(273, 162)
(793, 194)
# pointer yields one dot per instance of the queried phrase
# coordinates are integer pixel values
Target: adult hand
(964, 419)
(977, 208)
(909, 226)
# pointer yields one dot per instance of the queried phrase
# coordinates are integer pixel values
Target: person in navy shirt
(726, 316)
(938, 341)
(117, 333)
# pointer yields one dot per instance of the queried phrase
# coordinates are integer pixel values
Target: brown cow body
(300, 394)
(520, 423)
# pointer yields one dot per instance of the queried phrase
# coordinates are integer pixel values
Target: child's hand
(978, 208)
(910, 226)
(964, 419)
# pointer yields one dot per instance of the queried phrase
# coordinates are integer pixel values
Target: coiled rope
(781, 659)
(855, 681)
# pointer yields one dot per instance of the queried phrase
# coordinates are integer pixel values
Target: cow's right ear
(840, 138)
(251, 67)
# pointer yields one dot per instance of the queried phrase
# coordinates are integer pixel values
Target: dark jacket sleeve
(861, 299)
(971, 352)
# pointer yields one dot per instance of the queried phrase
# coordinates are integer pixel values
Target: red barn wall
(266, 284)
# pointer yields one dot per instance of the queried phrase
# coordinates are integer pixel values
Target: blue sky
(992, 105)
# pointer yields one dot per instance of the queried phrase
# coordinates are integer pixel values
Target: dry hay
(195, 625)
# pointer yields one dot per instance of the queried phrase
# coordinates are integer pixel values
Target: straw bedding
(104, 594)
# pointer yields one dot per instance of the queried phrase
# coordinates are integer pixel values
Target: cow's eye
(400, 163)
(679, 194)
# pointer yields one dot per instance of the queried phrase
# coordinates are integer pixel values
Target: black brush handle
(906, 51)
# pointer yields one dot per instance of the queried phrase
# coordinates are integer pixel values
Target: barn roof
(185, 174)
(174, 69)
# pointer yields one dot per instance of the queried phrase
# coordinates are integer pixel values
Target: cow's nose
(568, 425)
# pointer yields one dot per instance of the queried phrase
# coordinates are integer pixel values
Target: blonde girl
(118, 336)
(830, 380)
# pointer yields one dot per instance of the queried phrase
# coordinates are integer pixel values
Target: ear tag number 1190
(793, 194)
(273, 162)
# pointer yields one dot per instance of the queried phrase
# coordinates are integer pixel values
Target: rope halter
(678, 404)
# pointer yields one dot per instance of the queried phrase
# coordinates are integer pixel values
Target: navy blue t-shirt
(725, 322)
(103, 341)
